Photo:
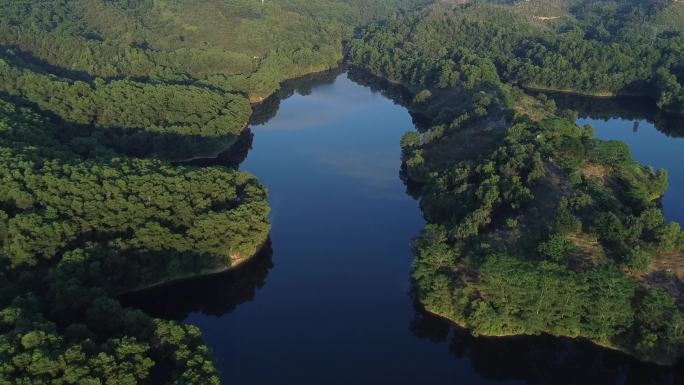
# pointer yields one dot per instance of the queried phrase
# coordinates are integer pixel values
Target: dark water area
(330, 301)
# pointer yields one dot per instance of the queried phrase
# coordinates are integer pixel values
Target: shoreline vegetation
(98, 102)
(461, 323)
(236, 265)
(601, 95)
(597, 95)
(452, 318)
(534, 226)
(499, 334)
(284, 90)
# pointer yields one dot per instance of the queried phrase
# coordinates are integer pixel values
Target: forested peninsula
(596, 48)
(98, 102)
(534, 226)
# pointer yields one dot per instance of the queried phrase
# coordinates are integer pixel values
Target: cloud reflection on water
(375, 172)
(322, 108)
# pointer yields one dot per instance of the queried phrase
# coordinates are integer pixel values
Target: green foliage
(84, 85)
(610, 311)
(533, 225)
(92, 227)
(91, 91)
(603, 49)
(422, 97)
(241, 44)
(132, 205)
(520, 297)
(35, 350)
(177, 109)
(660, 325)
(556, 248)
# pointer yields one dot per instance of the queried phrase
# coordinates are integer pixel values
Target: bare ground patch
(595, 170)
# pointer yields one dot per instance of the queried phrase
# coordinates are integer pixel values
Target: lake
(329, 302)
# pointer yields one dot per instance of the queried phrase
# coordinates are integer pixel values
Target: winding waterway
(330, 301)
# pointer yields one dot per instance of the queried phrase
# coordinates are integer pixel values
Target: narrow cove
(331, 303)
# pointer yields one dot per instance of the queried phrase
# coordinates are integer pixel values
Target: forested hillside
(96, 97)
(534, 226)
(601, 48)
(76, 230)
(238, 45)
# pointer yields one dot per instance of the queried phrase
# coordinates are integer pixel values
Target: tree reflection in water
(542, 359)
(216, 294)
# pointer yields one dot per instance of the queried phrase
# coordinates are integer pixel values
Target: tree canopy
(96, 99)
(534, 226)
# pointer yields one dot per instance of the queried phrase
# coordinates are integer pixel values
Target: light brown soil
(594, 170)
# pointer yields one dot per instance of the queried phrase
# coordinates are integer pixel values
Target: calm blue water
(649, 146)
(331, 303)
(336, 304)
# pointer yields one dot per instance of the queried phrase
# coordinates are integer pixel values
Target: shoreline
(568, 91)
(235, 265)
(240, 260)
(604, 345)
(600, 96)
(257, 100)
(601, 344)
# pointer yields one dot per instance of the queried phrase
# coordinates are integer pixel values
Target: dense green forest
(601, 48)
(534, 226)
(74, 231)
(96, 99)
(99, 97)
(237, 45)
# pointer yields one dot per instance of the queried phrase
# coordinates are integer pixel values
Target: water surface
(330, 302)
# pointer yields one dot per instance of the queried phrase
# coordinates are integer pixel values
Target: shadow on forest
(90, 141)
(233, 157)
(25, 59)
(534, 360)
(71, 143)
(216, 294)
(35, 63)
(668, 278)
